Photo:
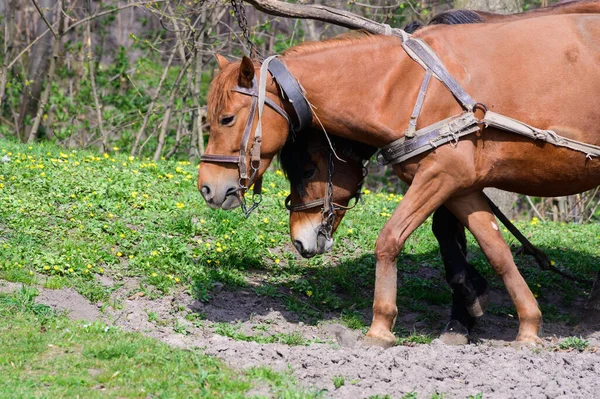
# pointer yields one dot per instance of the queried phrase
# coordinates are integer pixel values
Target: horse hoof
(478, 307)
(455, 334)
(381, 340)
(528, 339)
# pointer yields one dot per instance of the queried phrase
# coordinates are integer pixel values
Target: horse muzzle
(220, 198)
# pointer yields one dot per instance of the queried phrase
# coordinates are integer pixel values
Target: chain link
(240, 13)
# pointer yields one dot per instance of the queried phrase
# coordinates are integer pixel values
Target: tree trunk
(37, 69)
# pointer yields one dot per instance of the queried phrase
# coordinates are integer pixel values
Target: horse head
(322, 186)
(236, 156)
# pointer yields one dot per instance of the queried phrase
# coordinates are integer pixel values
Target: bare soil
(493, 366)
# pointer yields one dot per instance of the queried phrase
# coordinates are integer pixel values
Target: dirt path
(492, 367)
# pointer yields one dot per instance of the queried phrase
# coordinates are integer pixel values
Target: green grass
(74, 218)
(573, 343)
(43, 354)
(233, 331)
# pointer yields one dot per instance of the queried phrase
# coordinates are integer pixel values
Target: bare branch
(44, 18)
(76, 24)
(319, 12)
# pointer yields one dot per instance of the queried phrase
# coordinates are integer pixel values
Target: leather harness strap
(418, 48)
(431, 137)
(450, 130)
(412, 124)
(294, 94)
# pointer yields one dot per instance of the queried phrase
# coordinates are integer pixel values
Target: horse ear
(246, 73)
(222, 61)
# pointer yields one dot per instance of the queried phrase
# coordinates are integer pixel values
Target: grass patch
(233, 331)
(76, 218)
(44, 354)
(573, 343)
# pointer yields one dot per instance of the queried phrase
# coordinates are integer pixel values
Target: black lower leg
(469, 288)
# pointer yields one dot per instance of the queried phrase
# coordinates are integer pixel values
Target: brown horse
(309, 169)
(308, 162)
(542, 71)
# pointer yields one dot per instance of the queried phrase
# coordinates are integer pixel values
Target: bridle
(293, 94)
(326, 203)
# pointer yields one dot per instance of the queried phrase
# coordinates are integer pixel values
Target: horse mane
(457, 17)
(219, 93)
(293, 157)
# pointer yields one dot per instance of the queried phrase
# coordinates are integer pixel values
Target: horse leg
(423, 197)
(469, 289)
(474, 212)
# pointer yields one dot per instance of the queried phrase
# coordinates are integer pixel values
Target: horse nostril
(299, 246)
(231, 191)
(206, 193)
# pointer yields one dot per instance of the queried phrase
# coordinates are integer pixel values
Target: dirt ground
(493, 366)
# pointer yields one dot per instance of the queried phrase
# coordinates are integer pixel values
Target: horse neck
(354, 96)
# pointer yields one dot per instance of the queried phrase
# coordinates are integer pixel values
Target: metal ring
(483, 108)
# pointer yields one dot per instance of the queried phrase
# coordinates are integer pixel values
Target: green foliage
(338, 381)
(233, 331)
(573, 343)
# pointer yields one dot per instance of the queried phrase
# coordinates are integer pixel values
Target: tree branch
(319, 12)
(44, 18)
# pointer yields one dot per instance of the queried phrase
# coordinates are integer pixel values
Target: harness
(293, 93)
(326, 203)
(416, 142)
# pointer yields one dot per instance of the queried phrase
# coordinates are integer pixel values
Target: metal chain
(328, 213)
(240, 14)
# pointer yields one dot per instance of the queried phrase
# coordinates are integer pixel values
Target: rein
(293, 94)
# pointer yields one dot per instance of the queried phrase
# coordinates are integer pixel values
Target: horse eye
(309, 173)
(227, 120)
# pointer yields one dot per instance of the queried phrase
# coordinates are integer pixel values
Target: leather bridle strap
(319, 203)
(295, 96)
(268, 101)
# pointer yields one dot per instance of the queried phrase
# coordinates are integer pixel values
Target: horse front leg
(474, 212)
(426, 193)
